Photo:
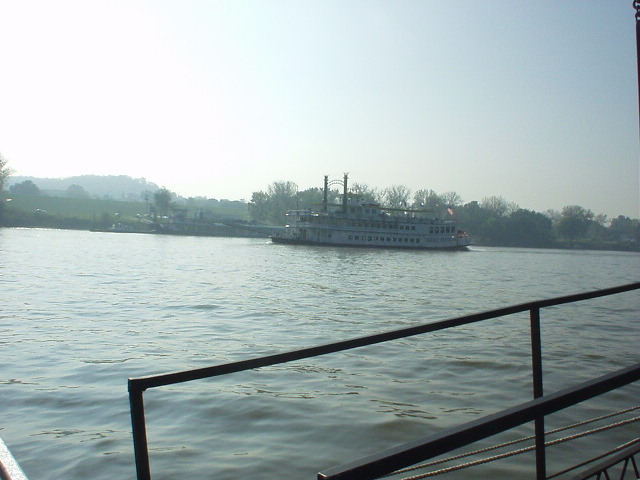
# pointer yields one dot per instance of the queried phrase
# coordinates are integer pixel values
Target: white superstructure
(356, 223)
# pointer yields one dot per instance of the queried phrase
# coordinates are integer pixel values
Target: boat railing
(409, 454)
(304, 211)
(626, 457)
(389, 461)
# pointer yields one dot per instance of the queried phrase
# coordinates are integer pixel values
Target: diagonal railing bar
(388, 461)
(626, 457)
(144, 383)
(137, 386)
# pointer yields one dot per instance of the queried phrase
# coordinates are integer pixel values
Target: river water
(81, 312)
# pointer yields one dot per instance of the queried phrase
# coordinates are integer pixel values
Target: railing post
(138, 424)
(536, 362)
(636, 5)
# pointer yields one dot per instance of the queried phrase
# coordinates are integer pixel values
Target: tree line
(492, 221)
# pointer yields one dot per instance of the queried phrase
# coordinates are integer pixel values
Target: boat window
(413, 227)
(430, 229)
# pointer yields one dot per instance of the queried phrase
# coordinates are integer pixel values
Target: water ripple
(133, 305)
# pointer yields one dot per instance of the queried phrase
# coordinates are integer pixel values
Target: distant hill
(116, 187)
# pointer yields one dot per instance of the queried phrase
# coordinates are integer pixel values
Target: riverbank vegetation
(101, 214)
(492, 221)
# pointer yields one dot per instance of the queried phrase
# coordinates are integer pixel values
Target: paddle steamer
(358, 223)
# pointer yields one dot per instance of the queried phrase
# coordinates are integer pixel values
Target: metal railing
(626, 459)
(531, 411)
(383, 463)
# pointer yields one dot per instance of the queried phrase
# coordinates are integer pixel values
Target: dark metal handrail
(625, 457)
(137, 386)
(383, 463)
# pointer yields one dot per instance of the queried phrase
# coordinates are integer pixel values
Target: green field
(71, 207)
(61, 212)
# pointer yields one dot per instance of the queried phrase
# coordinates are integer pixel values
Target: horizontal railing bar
(143, 383)
(388, 461)
(269, 360)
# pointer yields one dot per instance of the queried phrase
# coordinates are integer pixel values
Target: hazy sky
(534, 101)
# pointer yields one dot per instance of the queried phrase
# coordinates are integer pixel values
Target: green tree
(4, 172)
(473, 219)
(498, 206)
(427, 199)
(451, 199)
(495, 231)
(259, 207)
(397, 196)
(76, 191)
(554, 216)
(527, 228)
(575, 222)
(368, 194)
(162, 199)
(312, 198)
(624, 229)
(271, 207)
(282, 198)
(25, 188)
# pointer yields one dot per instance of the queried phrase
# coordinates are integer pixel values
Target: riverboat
(358, 223)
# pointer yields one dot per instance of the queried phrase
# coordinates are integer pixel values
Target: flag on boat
(450, 210)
